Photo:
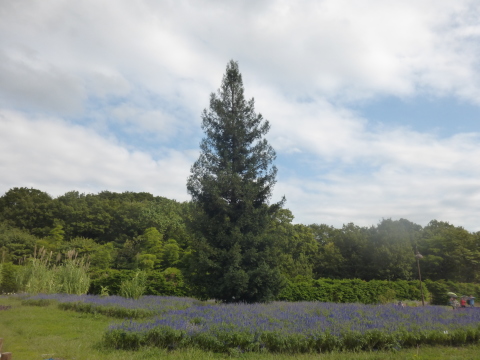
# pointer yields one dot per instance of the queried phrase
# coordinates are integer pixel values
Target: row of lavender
(299, 327)
(283, 326)
(114, 306)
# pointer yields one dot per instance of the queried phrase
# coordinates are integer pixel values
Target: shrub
(134, 288)
(352, 290)
(167, 283)
(9, 274)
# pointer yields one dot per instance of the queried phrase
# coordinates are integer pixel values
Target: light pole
(418, 256)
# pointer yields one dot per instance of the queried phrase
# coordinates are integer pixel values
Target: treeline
(122, 232)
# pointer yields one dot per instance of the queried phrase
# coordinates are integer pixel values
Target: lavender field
(115, 306)
(282, 326)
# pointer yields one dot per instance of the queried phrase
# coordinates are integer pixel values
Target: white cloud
(366, 175)
(30, 84)
(48, 154)
(335, 48)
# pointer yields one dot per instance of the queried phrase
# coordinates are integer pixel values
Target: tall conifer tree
(231, 184)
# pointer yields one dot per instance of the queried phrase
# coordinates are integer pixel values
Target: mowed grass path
(35, 333)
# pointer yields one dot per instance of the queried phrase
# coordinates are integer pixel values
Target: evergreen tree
(231, 183)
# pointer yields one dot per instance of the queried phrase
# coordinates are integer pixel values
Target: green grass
(36, 333)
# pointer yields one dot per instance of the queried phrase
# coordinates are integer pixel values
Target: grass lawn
(36, 333)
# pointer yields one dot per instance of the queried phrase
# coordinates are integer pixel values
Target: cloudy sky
(373, 104)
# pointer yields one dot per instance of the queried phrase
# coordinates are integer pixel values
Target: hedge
(371, 292)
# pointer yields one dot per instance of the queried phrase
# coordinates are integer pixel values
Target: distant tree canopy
(140, 231)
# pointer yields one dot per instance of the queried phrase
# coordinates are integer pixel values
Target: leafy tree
(15, 244)
(328, 262)
(99, 256)
(146, 261)
(171, 254)
(295, 244)
(152, 248)
(54, 241)
(352, 242)
(231, 184)
(450, 252)
(84, 215)
(27, 209)
(390, 253)
(9, 282)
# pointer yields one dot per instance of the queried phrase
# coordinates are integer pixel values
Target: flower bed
(299, 327)
(115, 306)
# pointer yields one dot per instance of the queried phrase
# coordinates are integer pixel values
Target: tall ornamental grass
(36, 276)
(72, 276)
(39, 276)
(134, 288)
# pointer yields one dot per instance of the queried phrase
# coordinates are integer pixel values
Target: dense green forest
(121, 232)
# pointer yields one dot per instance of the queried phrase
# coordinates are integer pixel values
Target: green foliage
(214, 245)
(169, 282)
(235, 341)
(450, 253)
(39, 276)
(112, 311)
(108, 278)
(231, 184)
(72, 276)
(351, 291)
(36, 276)
(390, 249)
(28, 210)
(9, 276)
(99, 256)
(387, 297)
(38, 302)
(146, 261)
(15, 244)
(104, 291)
(439, 290)
(171, 254)
(135, 287)
(295, 244)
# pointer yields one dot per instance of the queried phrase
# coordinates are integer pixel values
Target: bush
(168, 283)
(351, 291)
(9, 275)
(134, 288)
(439, 290)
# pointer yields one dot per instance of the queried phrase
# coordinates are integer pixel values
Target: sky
(374, 105)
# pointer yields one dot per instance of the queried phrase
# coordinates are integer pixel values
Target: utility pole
(419, 256)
